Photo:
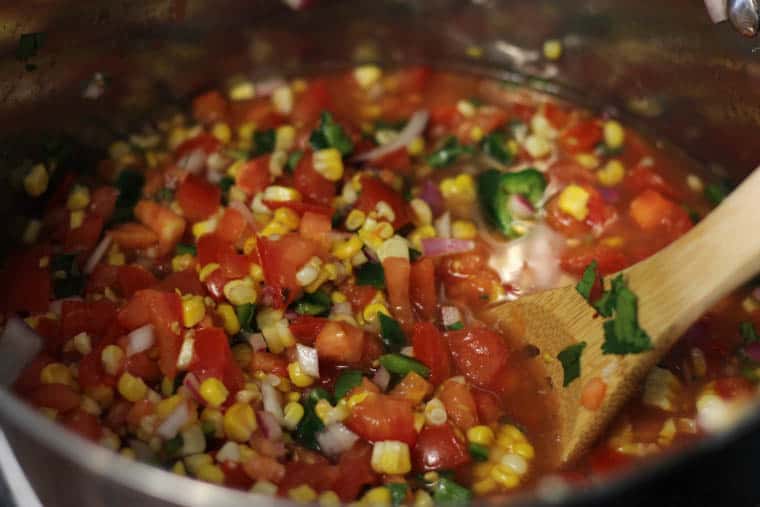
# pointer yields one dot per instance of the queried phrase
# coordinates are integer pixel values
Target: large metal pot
(662, 64)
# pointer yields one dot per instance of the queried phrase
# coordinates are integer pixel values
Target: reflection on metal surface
(745, 16)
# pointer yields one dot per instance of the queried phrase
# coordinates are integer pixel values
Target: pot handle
(744, 15)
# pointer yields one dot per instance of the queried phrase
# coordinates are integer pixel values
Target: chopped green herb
(316, 303)
(391, 333)
(129, 183)
(495, 189)
(448, 153)
(173, 446)
(716, 192)
(401, 365)
(245, 314)
(347, 380)
(331, 135)
(622, 334)
(371, 273)
(478, 452)
(311, 424)
(448, 493)
(263, 142)
(29, 44)
(456, 326)
(186, 248)
(164, 195)
(494, 145)
(586, 282)
(398, 492)
(72, 285)
(414, 254)
(570, 357)
(747, 330)
(293, 159)
(226, 183)
(605, 305)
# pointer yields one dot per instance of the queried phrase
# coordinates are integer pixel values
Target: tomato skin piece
(581, 137)
(280, 260)
(212, 357)
(373, 191)
(198, 198)
(186, 282)
(56, 396)
(431, 348)
(310, 104)
(311, 184)
(609, 259)
(380, 417)
(210, 107)
(85, 237)
(460, 404)
(133, 236)
(305, 328)
(132, 278)
(642, 178)
(355, 472)
(74, 318)
(316, 227)
(103, 201)
(422, 288)
(168, 225)
(270, 363)
(650, 210)
(29, 378)
(253, 177)
(340, 342)
(358, 295)
(214, 248)
(86, 425)
(438, 448)
(397, 272)
(479, 353)
(231, 226)
(397, 161)
(489, 408)
(604, 460)
(140, 365)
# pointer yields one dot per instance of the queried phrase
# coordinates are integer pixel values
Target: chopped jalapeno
(495, 190)
(401, 365)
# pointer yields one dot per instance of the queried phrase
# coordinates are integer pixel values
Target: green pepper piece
(398, 492)
(478, 452)
(495, 146)
(347, 381)
(495, 188)
(245, 316)
(186, 248)
(450, 494)
(401, 365)
(372, 274)
(391, 333)
(311, 424)
(317, 303)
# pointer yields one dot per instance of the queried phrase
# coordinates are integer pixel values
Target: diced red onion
(436, 247)
(269, 425)
(140, 339)
(194, 386)
(57, 306)
(257, 342)
(336, 438)
(172, 424)
(717, 10)
(414, 127)
(382, 378)
(431, 194)
(193, 162)
(97, 254)
(443, 225)
(450, 315)
(229, 452)
(271, 399)
(520, 206)
(753, 351)
(244, 210)
(308, 359)
(18, 345)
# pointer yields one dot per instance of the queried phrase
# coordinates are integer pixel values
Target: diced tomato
(231, 226)
(412, 387)
(593, 393)
(568, 170)
(311, 102)
(490, 409)
(340, 342)
(600, 214)
(438, 448)
(270, 363)
(373, 349)
(581, 137)
(354, 472)
(413, 79)
(479, 353)
(396, 161)
(91, 371)
(358, 295)
(186, 282)
(380, 417)
(203, 142)
(103, 201)
(281, 259)
(74, 318)
(132, 235)
(557, 115)
(604, 460)
(210, 107)
(641, 178)
(432, 349)
(56, 396)
(305, 328)
(311, 184)
(397, 270)
(198, 198)
(103, 276)
(235, 476)
(29, 378)
(141, 365)
(374, 191)
(650, 210)
(460, 404)
(487, 119)
(101, 315)
(25, 288)
(85, 237)
(86, 425)
(301, 207)
(132, 278)
(214, 248)
(164, 311)
(168, 225)
(422, 288)
(315, 226)
(253, 177)
(609, 259)
(730, 388)
(212, 357)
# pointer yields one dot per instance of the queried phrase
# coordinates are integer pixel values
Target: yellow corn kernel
(282, 99)
(279, 193)
(614, 134)
(367, 75)
(292, 414)
(240, 292)
(206, 271)
(346, 249)
(422, 213)
(338, 297)
(328, 163)
(245, 133)
(416, 146)
(611, 174)
(210, 473)
(297, 375)
(287, 217)
(420, 233)
(587, 160)
(574, 201)
(463, 229)
(79, 198)
(32, 232)
(302, 494)
(36, 181)
(537, 146)
(466, 108)
(193, 310)
(419, 421)
(112, 357)
(165, 407)
(83, 343)
(128, 453)
(264, 488)
(76, 219)
(179, 469)
(328, 499)
(552, 49)
(285, 137)
(213, 417)
(357, 399)
(460, 189)
(181, 262)
(241, 89)
(423, 499)
(504, 476)
(513, 432)
(477, 134)
(213, 391)
(322, 409)
(205, 227)
(195, 461)
(613, 241)
(371, 310)
(391, 457)
(481, 434)
(132, 388)
(484, 486)
(56, 373)
(116, 256)
(380, 496)
(525, 450)
(222, 132)
(355, 219)
(239, 422)
(229, 318)
(274, 228)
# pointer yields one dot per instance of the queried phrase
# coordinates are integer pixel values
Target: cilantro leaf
(316, 303)
(456, 326)
(186, 248)
(331, 135)
(623, 335)
(570, 357)
(494, 145)
(398, 492)
(371, 273)
(448, 493)
(391, 333)
(448, 153)
(605, 305)
(293, 159)
(347, 380)
(747, 330)
(586, 282)
(263, 142)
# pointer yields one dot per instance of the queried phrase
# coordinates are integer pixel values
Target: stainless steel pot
(664, 65)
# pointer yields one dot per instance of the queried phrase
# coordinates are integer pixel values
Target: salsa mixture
(278, 289)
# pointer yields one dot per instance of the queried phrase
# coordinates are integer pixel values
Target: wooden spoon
(674, 288)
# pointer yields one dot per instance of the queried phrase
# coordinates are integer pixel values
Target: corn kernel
(515, 462)
(83, 343)
(239, 422)
(384, 210)
(264, 488)
(205, 227)
(367, 75)
(293, 413)
(463, 229)
(477, 134)
(210, 473)
(574, 201)
(285, 137)
(328, 499)
(587, 160)
(240, 292)
(380, 496)
(165, 407)
(282, 99)
(484, 486)
(423, 499)
(287, 217)
(466, 108)
(419, 421)
(611, 174)
(537, 146)
(56, 373)
(222, 132)
(193, 310)
(435, 412)
(112, 357)
(481, 434)
(279, 193)
(695, 183)
(302, 494)
(181, 262)
(613, 241)
(422, 212)
(338, 297)
(416, 146)
(525, 450)
(213, 391)
(76, 219)
(552, 49)
(79, 198)
(371, 310)
(391, 457)
(614, 134)
(504, 476)
(346, 249)
(393, 247)
(420, 233)
(214, 418)
(229, 318)
(36, 182)
(132, 388)
(206, 271)
(309, 272)
(329, 163)
(297, 375)
(179, 469)
(357, 399)
(241, 89)
(461, 188)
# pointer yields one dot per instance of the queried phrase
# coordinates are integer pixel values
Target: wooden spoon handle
(694, 272)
